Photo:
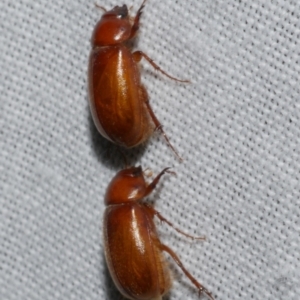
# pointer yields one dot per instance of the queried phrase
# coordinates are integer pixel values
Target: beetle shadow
(111, 290)
(112, 155)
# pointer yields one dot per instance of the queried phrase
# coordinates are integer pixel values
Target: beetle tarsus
(199, 286)
(206, 292)
(159, 127)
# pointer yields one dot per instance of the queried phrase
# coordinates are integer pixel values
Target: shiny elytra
(133, 250)
(119, 101)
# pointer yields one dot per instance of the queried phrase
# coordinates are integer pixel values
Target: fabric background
(236, 125)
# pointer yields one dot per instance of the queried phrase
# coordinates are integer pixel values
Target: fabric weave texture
(237, 126)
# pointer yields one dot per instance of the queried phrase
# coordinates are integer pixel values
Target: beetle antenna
(148, 172)
(101, 7)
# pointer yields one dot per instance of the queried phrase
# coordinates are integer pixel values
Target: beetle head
(113, 28)
(128, 185)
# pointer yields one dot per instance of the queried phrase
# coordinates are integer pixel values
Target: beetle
(119, 102)
(133, 250)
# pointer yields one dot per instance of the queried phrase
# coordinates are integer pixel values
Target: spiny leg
(199, 286)
(136, 23)
(153, 184)
(138, 55)
(154, 212)
(158, 127)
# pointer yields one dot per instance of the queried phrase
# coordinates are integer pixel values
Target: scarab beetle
(133, 250)
(118, 100)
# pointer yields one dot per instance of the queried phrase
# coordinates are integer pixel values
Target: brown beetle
(133, 249)
(119, 102)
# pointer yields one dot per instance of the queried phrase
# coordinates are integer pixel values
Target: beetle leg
(138, 55)
(136, 23)
(199, 286)
(157, 124)
(153, 184)
(154, 212)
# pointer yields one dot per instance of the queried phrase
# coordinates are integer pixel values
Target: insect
(133, 250)
(118, 100)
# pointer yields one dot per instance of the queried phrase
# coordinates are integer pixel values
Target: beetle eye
(137, 171)
(121, 11)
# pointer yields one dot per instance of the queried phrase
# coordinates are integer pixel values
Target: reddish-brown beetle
(118, 100)
(133, 250)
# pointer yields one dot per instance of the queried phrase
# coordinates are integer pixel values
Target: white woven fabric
(237, 125)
